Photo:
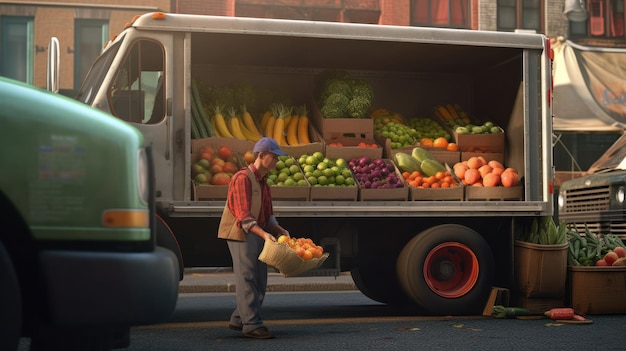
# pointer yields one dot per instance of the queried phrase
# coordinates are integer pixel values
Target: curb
(230, 288)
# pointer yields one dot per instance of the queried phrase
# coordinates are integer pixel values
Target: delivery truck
(441, 254)
(79, 263)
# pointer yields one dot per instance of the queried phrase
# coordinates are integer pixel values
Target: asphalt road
(347, 320)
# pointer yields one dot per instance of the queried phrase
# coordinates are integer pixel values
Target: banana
(292, 131)
(249, 124)
(269, 127)
(220, 125)
(279, 128)
(303, 130)
(249, 135)
(235, 128)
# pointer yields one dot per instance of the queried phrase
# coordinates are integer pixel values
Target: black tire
(166, 239)
(433, 270)
(379, 284)
(10, 303)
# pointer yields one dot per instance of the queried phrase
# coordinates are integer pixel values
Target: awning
(589, 88)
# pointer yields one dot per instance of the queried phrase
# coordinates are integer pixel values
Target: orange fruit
(475, 162)
(495, 164)
(426, 142)
(440, 142)
(509, 178)
(491, 179)
(452, 147)
(471, 176)
(485, 169)
(308, 254)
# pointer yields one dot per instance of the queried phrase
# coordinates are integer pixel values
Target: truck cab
(597, 199)
(79, 261)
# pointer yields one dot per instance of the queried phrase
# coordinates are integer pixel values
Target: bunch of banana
(288, 126)
(237, 126)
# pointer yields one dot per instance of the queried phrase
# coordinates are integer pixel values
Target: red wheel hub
(451, 269)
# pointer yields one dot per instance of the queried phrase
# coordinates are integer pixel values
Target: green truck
(79, 263)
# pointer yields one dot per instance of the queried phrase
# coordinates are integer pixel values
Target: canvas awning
(589, 88)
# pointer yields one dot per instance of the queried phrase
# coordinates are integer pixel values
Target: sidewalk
(212, 280)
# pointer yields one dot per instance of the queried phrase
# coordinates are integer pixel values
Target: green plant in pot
(543, 231)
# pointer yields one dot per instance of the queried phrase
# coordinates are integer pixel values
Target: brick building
(84, 26)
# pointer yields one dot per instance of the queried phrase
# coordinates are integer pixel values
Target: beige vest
(228, 228)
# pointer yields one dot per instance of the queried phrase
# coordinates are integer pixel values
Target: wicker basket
(286, 260)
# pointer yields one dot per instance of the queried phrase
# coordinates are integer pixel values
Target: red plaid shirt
(240, 199)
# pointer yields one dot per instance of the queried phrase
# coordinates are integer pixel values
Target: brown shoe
(235, 328)
(259, 333)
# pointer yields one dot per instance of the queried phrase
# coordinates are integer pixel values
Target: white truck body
(506, 76)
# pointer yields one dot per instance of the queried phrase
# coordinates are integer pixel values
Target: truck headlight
(619, 195)
(561, 200)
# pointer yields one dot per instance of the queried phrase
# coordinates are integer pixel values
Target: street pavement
(222, 279)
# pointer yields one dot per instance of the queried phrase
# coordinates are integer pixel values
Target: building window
(440, 13)
(16, 48)
(520, 14)
(90, 36)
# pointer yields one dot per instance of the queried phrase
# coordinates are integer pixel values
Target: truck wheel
(379, 284)
(10, 304)
(166, 238)
(447, 270)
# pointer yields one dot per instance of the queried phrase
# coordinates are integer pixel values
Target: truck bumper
(109, 288)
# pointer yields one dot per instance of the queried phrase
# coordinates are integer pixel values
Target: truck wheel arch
(447, 270)
(166, 238)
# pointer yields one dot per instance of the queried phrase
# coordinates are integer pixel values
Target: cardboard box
(335, 128)
(301, 193)
(209, 192)
(428, 194)
(346, 193)
(597, 290)
(494, 193)
(479, 142)
(398, 194)
(350, 150)
(540, 270)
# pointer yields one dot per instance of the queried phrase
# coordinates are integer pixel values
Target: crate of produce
(212, 167)
(287, 180)
(340, 104)
(597, 290)
(383, 181)
(480, 142)
(330, 179)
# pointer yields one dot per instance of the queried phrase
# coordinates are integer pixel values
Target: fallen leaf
(458, 326)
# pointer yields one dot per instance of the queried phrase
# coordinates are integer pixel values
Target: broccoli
(344, 96)
(359, 106)
(335, 106)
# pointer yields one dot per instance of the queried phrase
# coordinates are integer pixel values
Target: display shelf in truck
(443, 256)
(79, 264)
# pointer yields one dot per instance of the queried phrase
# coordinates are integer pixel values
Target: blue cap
(268, 145)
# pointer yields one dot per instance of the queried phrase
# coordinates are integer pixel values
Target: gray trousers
(250, 282)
